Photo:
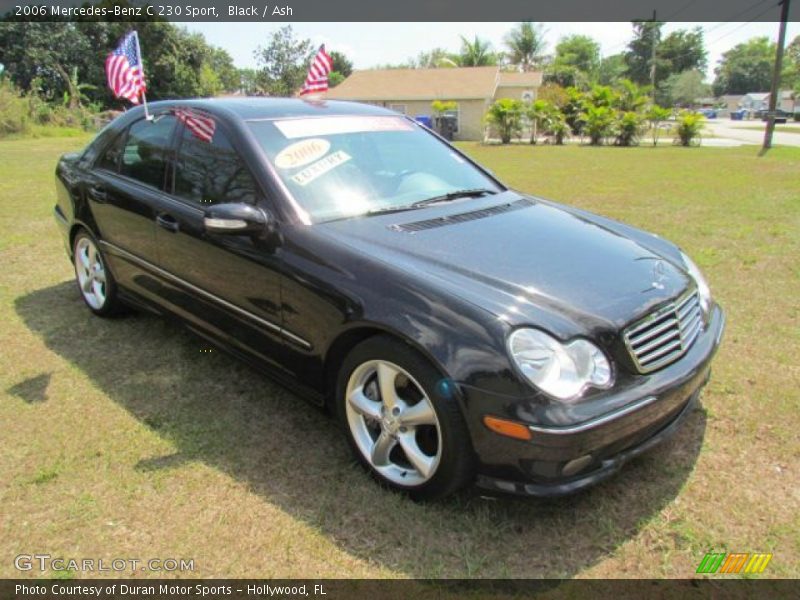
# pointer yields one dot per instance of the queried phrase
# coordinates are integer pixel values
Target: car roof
(247, 108)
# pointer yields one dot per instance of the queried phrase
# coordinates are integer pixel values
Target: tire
(95, 282)
(415, 442)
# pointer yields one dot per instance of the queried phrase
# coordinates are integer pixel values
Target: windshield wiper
(454, 196)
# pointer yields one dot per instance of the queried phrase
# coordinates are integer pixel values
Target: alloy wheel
(393, 423)
(91, 273)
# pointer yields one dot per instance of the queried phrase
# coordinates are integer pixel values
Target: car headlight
(560, 370)
(703, 291)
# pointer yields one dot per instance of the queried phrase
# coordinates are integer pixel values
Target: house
(731, 101)
(411, 91)
(786, 101)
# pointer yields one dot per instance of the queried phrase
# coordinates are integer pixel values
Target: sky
(371, 44)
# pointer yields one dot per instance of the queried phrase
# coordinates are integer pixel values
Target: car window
(145, 151)
(208, 170)
(110, 158)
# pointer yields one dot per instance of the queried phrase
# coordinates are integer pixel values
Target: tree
(284, 62)
(745, 68)
(681, 51)
(657, 115)
(526, 45)
(565, 76)
(790, 77)
(638, 57)
(611, 69)
(580, 52)
(506, 115)
(437, 58)
(683, 89)
(341, 63)
(41, 58)
(477, 53)
(554, 94)
(248, 82)
(539, 114)
(599, 121)
(628, 97)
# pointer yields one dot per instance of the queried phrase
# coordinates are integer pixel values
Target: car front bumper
(565, 458)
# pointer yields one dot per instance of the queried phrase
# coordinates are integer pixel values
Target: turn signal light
(507, 428)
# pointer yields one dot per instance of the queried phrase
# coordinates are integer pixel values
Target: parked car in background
(460, 330)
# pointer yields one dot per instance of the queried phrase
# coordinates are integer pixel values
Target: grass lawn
(122, 438)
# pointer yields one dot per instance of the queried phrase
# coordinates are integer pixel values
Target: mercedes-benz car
(461, 331)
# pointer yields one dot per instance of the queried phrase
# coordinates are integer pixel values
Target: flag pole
(147, 114)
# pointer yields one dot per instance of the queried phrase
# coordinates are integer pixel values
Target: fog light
(507, 428)
(576, 466)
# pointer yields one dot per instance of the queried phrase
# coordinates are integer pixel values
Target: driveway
(742, 132)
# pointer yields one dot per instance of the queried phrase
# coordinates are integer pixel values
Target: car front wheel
(403, 421)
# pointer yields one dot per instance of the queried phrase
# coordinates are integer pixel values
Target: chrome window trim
(237, 309)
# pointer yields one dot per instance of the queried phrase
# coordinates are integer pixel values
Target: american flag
(317, 78)
(124, 69)
(201, 126)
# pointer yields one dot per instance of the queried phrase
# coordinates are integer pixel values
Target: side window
(145, 151)
(110, 158)
(207, 169)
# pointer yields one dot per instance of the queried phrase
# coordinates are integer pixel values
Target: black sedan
(461, 331)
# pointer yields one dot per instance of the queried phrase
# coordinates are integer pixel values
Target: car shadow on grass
(214, 409)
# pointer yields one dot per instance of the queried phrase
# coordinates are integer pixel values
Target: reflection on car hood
(515, 256)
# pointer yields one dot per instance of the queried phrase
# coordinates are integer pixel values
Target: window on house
(401, 108)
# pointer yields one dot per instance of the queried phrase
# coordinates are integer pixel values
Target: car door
(124, 188)
(226, 285)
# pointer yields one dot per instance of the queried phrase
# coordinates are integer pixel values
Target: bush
(628, 128)
(599, 121)
(506, 115)
(30, 115)
(688, 127)
(14, 111)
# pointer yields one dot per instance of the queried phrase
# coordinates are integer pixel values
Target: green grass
(123, 438)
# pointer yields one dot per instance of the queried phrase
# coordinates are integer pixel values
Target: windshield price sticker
(302, 153)
(297, 128)
(319, 168)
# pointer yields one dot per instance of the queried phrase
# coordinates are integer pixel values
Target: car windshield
(344, 166)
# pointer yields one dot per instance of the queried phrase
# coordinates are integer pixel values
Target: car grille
(665, 335)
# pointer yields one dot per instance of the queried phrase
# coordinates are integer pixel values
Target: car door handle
(98, 193)
(168, 222)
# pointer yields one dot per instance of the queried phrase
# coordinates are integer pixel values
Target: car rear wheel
(402, 421)
(95, 282)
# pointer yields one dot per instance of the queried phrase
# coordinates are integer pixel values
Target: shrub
(657, 115)
(558, 129)
(14, 111)
(628, 128)
(599, 121)
(540, 113)
(506, 115)
(688, 127)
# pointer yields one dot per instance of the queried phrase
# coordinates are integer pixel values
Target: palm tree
(477, 53)
(526, 45)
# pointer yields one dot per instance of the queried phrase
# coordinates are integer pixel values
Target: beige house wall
(470, 118)
(513, 92)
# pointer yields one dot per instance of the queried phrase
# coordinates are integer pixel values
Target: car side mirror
(236, 218)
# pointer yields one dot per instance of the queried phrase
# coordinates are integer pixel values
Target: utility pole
(776, 79)
(653, 59)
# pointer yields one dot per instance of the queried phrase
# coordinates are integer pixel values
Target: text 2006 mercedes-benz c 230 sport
(461, 331)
